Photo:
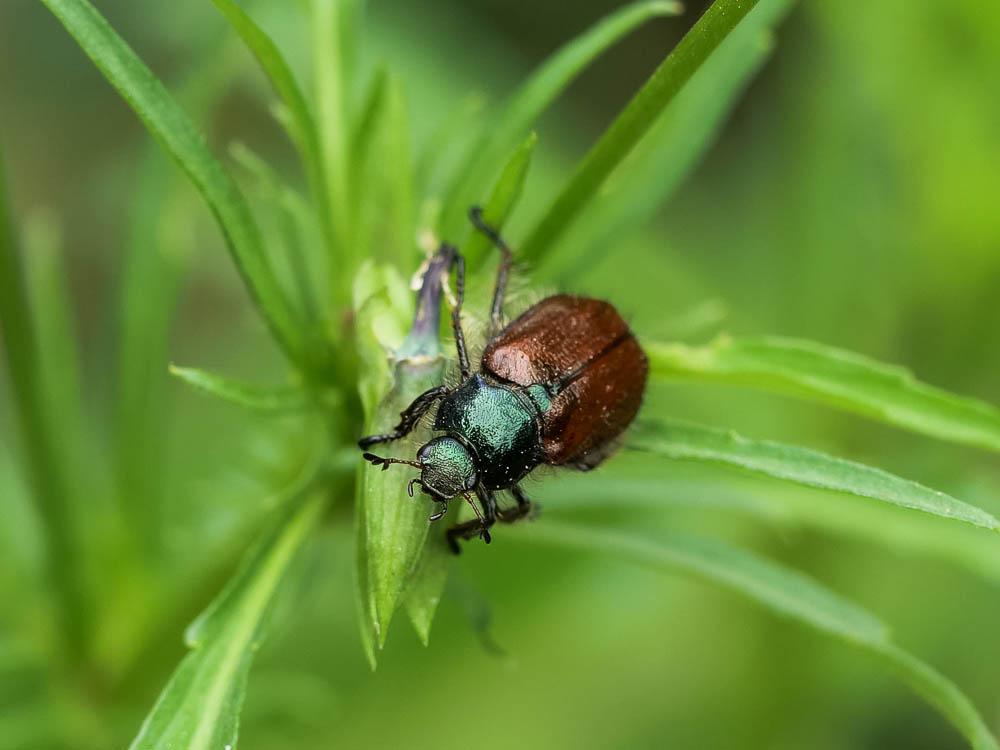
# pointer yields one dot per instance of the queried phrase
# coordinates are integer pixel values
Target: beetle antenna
(385, 462)
(475, 508)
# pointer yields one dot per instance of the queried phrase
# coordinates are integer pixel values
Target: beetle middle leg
(503, 270)
(525, 507)
(477, 526)
(408, 418)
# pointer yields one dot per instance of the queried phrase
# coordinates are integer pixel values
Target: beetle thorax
(498, 424)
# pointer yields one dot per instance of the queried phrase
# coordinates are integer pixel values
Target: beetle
(556, 386)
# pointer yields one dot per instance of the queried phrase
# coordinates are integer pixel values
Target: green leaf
(635, 121)
(330, 19)
(199, 708)
(784, 591)
(382, 173)
(46, 461)
(302, 124)
(58, 358)
(445, 151)
(363, 136)
(427, 583)
(647, 178)
(502, 200)
(534, 96)
(258, 398)
(151, 278)
(634, 483)
(691, 442)
(279, 74)
(168, 123)
(835, 377)
(391, 526)
(297, 268)
(158, 243)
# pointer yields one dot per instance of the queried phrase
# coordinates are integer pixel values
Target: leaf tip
(667, 7)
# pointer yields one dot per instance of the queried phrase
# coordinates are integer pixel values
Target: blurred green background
(851, 199)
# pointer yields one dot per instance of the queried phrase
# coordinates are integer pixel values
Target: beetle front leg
(408, 418)
(478, 526)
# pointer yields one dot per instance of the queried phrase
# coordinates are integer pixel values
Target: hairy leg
(503, 270)
(408, 418)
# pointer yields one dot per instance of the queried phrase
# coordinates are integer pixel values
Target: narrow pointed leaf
(391, 526)
(427, 584)
(635, 121)
(633, 483)
(787, 593)
(255, 397)
(298, 269)
(330, 65)
(502, 200)
(836, 377)
(278, 72)
(534, 97)
(47, 467)
(302, 124)
(59, 361)
(382, 174)
(200, 707)
(363, 135)
(690, 442)
(447, 149)
(174, 130)
(647, 178)
(152, 271)
(157, 246)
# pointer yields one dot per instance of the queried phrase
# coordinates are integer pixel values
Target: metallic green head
(447, 469)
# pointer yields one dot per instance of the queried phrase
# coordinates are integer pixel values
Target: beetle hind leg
(525, 507)
(503, 270)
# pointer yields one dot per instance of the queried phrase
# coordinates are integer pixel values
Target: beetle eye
(470, 481)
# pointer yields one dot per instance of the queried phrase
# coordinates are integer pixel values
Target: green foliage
(256, 397)
(690, 442)
(392, 525)
(41, 425)
(200, 706)
(635, 121)
(168, 123)
(790, 594)
(841, 379)
(273, 64)
(325, 264)
(534, 96)
(502, 200)
(675, 144)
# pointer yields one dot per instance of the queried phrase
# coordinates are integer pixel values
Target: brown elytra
(586, 344)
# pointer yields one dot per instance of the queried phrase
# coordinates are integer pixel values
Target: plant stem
(635, 120)
(331, 121)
